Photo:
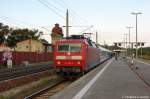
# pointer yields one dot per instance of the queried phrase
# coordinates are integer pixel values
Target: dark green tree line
(11, 36)
(145, 51)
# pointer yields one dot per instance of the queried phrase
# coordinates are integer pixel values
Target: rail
(17, 72)
(49, 90)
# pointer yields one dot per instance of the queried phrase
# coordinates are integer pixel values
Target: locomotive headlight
(58, 62)
(78, 62)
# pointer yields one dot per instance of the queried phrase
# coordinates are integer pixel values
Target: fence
(31, 57)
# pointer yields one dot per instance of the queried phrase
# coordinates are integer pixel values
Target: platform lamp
(129, 28)
(136, 14)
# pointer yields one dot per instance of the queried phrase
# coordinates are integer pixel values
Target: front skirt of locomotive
(69, 71)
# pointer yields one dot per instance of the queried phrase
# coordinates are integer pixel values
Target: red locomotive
(75, 55)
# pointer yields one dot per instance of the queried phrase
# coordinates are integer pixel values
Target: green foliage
(145, 51)
(16, 35)
(3, 30)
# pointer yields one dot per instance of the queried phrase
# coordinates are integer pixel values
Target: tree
(18, 35)
(4, 29)
(11, 36)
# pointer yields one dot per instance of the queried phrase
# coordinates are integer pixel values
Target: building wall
(32, 57)
(30, 46)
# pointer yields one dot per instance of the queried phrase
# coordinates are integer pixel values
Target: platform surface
(111, 80)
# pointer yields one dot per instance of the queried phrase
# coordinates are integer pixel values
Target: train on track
(77, 54)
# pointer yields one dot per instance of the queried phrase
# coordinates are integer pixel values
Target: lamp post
(126, 43)
(67, 23)
(96, 37)
(129, 27)
(136, 14)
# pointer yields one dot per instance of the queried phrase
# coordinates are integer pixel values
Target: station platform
(113, 79)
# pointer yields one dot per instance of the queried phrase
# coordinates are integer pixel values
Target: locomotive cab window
(63, 47)
(74, 47)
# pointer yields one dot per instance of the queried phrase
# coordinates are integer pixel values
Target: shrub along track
(50, 90)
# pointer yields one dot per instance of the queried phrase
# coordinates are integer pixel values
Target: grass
(21, 92)
(145, 57)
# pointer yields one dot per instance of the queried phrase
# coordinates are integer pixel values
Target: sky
(108, 17)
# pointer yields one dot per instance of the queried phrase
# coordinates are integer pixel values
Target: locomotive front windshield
(74, 47)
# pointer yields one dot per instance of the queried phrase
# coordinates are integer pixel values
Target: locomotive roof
(78, 38)
(72, 40)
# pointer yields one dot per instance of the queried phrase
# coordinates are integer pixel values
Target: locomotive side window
(74, 47)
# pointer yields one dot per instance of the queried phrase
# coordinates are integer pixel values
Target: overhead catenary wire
(16, 21)
(48, 5)
(11, 21)
(74, 13)
(74, 17)
(28, 24)
(87, 29)
(50, 8)
(21, 23)
(80, 18)
(54, 6)
(63, 9)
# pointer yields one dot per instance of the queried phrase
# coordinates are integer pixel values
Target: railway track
(7, 74)
(50, 90)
